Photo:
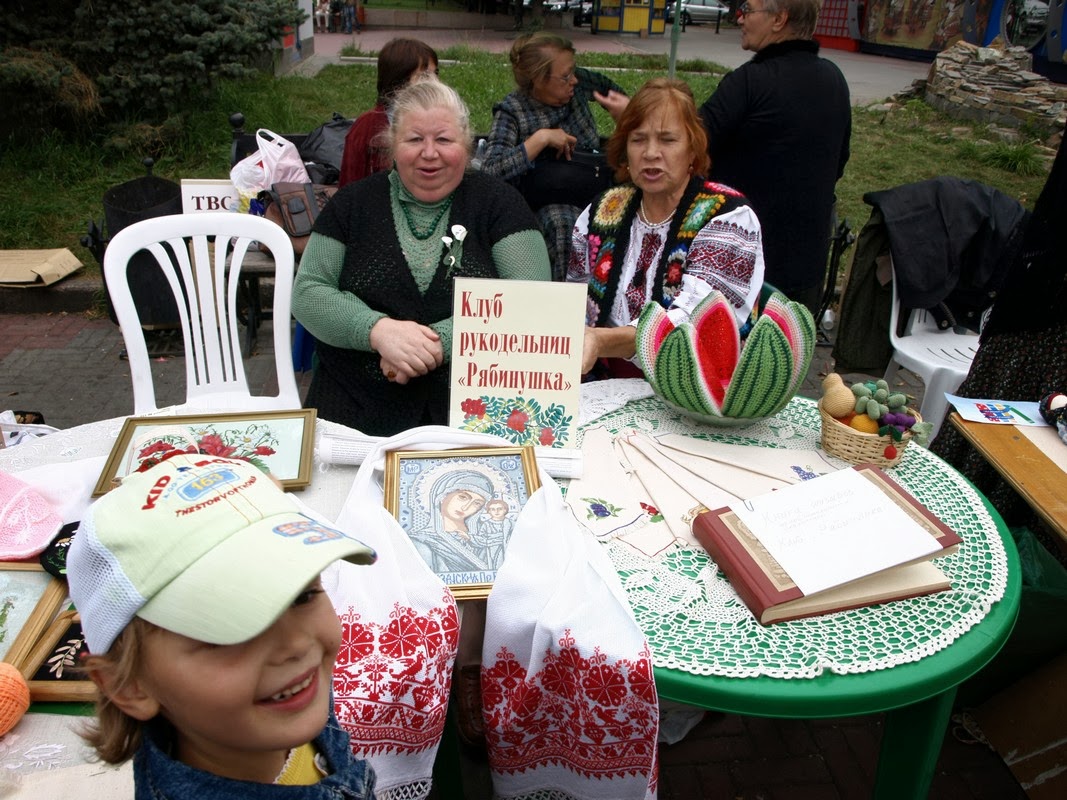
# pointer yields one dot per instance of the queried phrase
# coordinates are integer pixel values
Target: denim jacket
(157, 776)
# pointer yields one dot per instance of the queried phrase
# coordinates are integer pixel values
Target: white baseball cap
(207, 547)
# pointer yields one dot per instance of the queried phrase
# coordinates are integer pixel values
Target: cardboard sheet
(25, 269)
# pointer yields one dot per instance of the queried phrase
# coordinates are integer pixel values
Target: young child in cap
(212, 643)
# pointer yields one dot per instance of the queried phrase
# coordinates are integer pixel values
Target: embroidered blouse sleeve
(727, 255)
(578, 267)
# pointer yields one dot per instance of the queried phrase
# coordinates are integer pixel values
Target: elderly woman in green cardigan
(375, 282)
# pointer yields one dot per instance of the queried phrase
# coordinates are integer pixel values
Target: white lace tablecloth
(89, 445)
(696, 623)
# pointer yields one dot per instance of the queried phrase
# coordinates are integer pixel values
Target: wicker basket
(849, 444)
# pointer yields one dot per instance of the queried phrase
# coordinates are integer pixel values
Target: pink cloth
(28, 522)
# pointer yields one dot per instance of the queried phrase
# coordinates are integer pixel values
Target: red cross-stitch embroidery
(391, 679)
(588, 713)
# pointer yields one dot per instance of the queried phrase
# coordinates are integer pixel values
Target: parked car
(699, 11)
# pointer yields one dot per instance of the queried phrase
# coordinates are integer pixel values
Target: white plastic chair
(205, 287)
(942, 358)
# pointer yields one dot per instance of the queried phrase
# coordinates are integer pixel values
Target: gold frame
(110, 476)
(394, 462)
(42, 630)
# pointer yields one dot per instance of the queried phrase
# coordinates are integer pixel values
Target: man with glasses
(778, 131)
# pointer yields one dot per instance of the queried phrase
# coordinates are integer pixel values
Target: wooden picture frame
(50, 668)
(443, 498)
(279, 442)
(29, 600)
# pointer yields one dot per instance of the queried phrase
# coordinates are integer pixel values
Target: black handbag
(322, 149)
(575, 182)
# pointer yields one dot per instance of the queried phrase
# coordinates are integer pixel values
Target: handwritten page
(997, 412)
(834, 529)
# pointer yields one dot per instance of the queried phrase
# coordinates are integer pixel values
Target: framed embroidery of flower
(459, 508)
(281, 443)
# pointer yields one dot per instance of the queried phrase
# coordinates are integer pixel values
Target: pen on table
(1020, 414)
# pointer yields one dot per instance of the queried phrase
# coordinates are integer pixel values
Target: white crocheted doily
(696, 623)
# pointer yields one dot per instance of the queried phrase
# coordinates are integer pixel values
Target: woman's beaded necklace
(650, 223)
(421, 236)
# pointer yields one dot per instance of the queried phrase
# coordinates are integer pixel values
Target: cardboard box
(1025, 725)
(25, 269)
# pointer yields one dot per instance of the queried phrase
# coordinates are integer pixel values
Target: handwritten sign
(517, 359)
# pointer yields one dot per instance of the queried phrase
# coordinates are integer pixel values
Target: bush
(142, 59)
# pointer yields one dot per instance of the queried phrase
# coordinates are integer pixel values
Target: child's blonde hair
(115, 735)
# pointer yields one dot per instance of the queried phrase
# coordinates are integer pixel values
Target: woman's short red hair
(654, 95)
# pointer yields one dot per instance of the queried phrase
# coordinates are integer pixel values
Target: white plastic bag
(281, 160)
(248, 179)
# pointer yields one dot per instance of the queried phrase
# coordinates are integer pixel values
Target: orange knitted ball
(14, 697)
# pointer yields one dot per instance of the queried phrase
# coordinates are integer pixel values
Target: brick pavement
(68, 366)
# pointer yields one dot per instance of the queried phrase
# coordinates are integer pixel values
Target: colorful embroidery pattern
(583, 712)
(391, 681)
(599, 508)
(520, 420)
(610, 222)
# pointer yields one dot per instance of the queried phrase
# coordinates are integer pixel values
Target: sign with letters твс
(517, 359)
(208, 195)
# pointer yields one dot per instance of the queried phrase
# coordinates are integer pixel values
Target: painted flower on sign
(520, 420)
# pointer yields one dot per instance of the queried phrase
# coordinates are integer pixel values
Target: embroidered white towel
(567, 686)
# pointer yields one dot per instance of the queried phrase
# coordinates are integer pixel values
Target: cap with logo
(207, 547)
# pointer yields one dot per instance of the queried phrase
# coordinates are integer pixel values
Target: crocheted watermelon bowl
(704, 370)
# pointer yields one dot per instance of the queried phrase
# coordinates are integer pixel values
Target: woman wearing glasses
(548, 116)
(778, 129)
(666, 235)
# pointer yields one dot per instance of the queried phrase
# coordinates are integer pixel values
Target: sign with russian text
(199, 194)
(517, 359)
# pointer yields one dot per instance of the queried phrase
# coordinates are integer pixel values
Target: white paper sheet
(997, 412)
(834, 529)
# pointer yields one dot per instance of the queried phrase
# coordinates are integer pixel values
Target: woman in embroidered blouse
(375, 282)
(549, 111)
(366, 151)
(666, 235)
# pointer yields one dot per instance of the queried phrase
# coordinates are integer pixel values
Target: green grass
(51, 187)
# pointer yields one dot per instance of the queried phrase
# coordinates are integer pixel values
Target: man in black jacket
(778, 131)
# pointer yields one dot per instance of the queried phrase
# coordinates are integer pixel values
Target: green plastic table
(917, 697)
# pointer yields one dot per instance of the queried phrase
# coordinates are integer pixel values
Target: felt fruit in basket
(864, 424)
(837, 400)
(703, 369)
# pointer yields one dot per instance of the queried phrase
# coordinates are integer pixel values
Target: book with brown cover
(773, 597)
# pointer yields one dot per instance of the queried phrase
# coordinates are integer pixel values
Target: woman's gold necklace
(422, 237)
(650, 223)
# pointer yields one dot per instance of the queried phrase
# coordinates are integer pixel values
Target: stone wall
(996, 85)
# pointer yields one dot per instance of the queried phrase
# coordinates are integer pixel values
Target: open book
(893, 534)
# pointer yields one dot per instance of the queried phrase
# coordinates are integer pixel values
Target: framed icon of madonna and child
(459, 508)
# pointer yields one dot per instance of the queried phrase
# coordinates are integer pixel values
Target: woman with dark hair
(366, 150)
(548, 114)
(665, 235)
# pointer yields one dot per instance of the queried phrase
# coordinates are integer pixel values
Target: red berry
(890, 452)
